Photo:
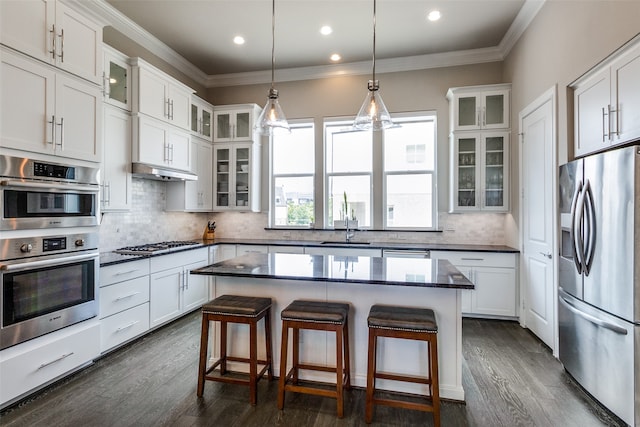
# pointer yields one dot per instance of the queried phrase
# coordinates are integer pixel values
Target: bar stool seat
(323, 316)
(236, 309)
(406, 323)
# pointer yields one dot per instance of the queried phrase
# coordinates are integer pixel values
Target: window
(409, 173)
(292, 183)
(388, 177)
(348, 174)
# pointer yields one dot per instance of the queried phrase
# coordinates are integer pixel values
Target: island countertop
(418, 272)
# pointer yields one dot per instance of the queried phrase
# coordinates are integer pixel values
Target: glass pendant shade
(272, 116)
(373, 114)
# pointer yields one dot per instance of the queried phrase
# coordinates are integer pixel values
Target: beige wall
(565, 40)
(343, 96)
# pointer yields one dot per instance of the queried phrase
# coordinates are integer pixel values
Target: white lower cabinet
(26, 367)
(251, 249)
(173, 291)
(495, 278)
(316, 250)
(124, 302)
(223, 252)
(286, 249)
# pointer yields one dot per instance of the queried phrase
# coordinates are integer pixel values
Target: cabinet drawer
(121, 272)
(124, 326)
(479, 259)
(124, 295)
(26, 367)
(165, 262)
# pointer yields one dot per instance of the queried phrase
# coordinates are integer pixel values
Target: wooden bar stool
(236, 309)
(322, 316)
(407, 323)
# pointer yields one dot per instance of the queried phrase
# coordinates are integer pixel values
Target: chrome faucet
(349, 234)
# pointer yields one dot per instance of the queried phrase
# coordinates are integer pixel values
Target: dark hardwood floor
(510, 379)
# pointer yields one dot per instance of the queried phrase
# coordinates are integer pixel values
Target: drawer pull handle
(122, 273)
(122, 328)
(472, 259)
(127, 296)
(64, 356)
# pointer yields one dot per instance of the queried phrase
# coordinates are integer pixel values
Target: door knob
(546, 255)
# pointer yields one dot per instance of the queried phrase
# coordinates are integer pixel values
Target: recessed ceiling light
(434, 15)
(325, 30)
(335, 57)
(238, 40)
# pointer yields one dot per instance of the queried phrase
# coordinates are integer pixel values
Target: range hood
(143, 170)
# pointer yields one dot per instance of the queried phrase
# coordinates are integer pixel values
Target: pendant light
(272, 116)
(373, 114)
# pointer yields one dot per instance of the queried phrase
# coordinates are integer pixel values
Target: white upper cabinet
(116, 79)
(237, 176)
(480, 171)
(201, 118)
(479, 107)
(158, 95)
(51, 31)
(235, 122)
(47, 112)
(194, 196)
(607, 102)
(158, 143)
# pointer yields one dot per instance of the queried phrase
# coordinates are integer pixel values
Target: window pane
(409, 147)
(358, 189)
(348, 151)
(409, 201)
(293, 152)
(293, 201)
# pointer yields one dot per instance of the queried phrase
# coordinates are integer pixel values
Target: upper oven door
(39, 204)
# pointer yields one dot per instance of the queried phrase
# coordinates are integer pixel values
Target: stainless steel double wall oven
(49, 259)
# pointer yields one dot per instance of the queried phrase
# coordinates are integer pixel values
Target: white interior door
(538, 184)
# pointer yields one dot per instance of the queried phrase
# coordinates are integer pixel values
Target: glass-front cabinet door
(236, 177)
(479, 107)
(480, 171)
(222, 163)
(201, 118)
(117, 79)
(465, 172)
(495, 169)
(234, 124)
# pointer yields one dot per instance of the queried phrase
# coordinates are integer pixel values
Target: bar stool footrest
(425, 407)
(403, 378)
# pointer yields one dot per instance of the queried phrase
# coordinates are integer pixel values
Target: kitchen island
(361, 281)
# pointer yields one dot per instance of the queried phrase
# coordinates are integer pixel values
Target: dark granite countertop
(344, 269)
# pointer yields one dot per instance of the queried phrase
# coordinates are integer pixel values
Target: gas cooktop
(156, 248)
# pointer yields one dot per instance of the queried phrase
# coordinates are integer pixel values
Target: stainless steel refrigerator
(599, 277)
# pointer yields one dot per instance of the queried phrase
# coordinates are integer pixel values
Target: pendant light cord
(374, 41)
(273, 41)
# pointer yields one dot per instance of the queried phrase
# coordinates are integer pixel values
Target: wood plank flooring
(510, 379)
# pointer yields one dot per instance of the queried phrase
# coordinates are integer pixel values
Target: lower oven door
(47, 294)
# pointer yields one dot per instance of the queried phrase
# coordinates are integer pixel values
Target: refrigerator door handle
(615, 328)
(575, 228)
(590, 228)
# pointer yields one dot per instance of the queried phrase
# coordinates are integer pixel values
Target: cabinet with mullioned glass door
(235, 122)
(201, 117)
(479, 180)
(236, 177)
(479, 107)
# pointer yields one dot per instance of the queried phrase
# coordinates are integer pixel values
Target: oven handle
(88, 188)
(47, 262)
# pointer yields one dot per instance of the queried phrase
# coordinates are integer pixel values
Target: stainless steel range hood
(143, 170)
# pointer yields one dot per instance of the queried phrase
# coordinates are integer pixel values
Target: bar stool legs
(236, 309)
(322, 316)
(406, 323)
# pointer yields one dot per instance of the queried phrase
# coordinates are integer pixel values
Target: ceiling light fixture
(373, 114)
(335, 57)
(325, 30)
(434, 15)
(272, 116)
(238, 40)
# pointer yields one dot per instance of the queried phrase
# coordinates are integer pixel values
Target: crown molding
(108, 15)
(529, 10)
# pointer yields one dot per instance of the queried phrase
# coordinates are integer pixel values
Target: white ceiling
(199, 33)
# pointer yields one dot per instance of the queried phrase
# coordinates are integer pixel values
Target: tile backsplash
(147, 222)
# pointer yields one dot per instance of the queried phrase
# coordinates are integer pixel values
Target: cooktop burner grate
(154, 248)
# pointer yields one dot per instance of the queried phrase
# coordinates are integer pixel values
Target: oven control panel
(25, 247)
(53, 171)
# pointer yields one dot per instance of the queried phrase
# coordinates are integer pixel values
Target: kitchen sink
(345, 243)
